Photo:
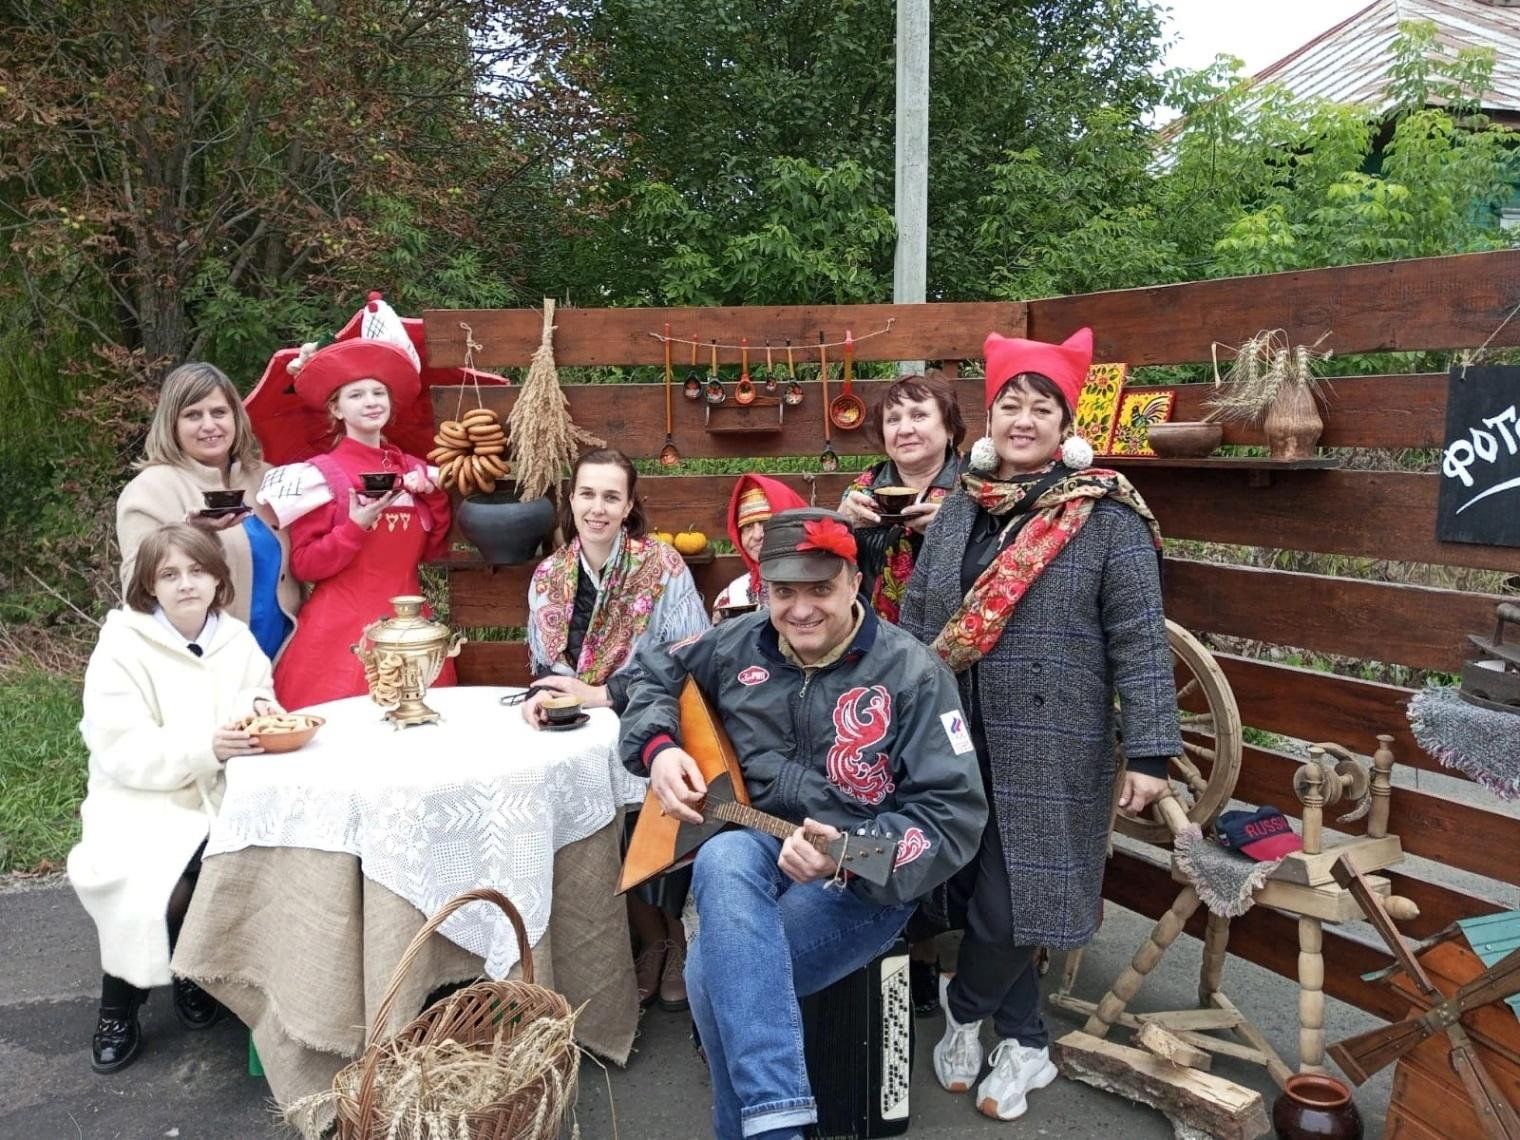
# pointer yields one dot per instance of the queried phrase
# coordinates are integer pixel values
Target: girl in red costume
(358, 551)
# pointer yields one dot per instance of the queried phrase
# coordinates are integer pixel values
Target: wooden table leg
(1127, 984)
(1311, 996)
(1216, 942)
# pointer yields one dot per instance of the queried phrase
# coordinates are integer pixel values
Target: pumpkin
(691, 541)
(664, 536)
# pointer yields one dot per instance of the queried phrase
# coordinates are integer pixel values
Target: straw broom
(545, 440)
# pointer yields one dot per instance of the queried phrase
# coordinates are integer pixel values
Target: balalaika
(660, 842)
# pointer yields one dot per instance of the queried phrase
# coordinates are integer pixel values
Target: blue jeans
(763, 942)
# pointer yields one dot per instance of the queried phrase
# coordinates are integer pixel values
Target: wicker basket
(472, 1017)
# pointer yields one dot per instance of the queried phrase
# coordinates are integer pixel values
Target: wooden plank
(493, 663)
(1439, 906)
(1369, 514)
(1197, 1103)
(1415, 304)
(1168, 1046)
(1360, 411)
(1379, 621)
(1312, 705)
(1262, 935)
(588, 337)
(632, 418)
(1452, 833)
(1364, 411)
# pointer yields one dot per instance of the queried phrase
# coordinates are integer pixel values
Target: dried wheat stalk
(426, 1092)
(1265, 365)
(545, 440)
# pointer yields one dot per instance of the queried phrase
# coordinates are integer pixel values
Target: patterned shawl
(898, 548)
(1057, 514)
(646, 587)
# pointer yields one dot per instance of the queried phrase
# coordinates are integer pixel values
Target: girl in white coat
(167, 685)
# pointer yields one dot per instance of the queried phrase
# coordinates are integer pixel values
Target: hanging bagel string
(545, 440)
(470, 448)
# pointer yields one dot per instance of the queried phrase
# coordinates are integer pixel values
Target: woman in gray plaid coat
(1039, 585)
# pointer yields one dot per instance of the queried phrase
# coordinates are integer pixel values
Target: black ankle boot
(118, 1037)
(195, 1008)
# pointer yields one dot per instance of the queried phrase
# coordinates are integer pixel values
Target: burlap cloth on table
(301, 946)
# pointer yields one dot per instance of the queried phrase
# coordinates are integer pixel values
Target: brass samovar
(402, 656)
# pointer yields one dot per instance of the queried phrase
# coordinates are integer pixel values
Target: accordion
(858, 1034)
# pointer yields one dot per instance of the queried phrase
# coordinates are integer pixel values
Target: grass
(42, 767)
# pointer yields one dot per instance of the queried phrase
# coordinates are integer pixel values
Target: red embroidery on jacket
(861, 719)
(913, 844)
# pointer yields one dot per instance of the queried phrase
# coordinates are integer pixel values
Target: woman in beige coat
(200, 441)
(165, 694)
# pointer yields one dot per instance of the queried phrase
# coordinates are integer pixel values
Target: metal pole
(909, 266)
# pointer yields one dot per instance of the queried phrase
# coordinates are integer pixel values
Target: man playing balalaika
(843, 725)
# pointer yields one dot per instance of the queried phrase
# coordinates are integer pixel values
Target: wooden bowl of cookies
(283, 732)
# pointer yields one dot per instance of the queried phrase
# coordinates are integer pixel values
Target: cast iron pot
(507, 532)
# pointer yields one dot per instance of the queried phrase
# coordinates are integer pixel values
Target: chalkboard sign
(1480, 464)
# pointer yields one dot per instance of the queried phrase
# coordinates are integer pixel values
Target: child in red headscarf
(755, 499)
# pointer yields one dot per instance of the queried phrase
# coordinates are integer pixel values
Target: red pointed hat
(1065, 364)
(345, 361)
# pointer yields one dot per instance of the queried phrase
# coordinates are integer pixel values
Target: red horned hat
(1065, 364)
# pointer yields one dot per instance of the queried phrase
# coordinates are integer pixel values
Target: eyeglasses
(519, 698)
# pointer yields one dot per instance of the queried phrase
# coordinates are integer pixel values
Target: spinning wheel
(1203, 777)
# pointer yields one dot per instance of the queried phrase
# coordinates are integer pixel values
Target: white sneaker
(1016, 1070)
(958, 1056)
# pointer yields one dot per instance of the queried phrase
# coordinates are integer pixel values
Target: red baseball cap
(1264, 834)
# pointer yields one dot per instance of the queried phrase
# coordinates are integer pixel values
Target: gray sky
(1258, 32)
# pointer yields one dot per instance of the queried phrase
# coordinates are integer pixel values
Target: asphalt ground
(196, 1085)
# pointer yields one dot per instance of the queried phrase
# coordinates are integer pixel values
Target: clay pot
(1314, 1106)
(507, 532)
(1293, 424)
(1185, 439)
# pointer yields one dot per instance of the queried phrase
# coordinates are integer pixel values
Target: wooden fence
(1450, 303)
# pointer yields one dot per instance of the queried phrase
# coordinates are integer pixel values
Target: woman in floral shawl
(591, 604)
(919, 425)
(1042, 593)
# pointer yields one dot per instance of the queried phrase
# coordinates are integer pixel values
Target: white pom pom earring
(1076, 452)
(983, 456)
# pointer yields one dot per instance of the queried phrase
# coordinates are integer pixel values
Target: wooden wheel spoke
(1196, 722)
(1190, 775)
(1187, 690)
(1198, 750)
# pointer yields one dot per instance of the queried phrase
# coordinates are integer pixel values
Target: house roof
(1351, 62)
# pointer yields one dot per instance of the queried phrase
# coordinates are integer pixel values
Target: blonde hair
(189, 384)
(200, 547)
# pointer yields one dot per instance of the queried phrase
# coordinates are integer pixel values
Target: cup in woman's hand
(561, 709)
(380, 482)
(894, 500)
(223, 500)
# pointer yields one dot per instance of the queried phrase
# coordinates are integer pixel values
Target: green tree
(178, 177)
(762, 135)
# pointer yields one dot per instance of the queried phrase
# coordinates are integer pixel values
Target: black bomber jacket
(874, 741)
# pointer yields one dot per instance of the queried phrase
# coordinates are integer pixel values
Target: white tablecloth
(432, 810)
